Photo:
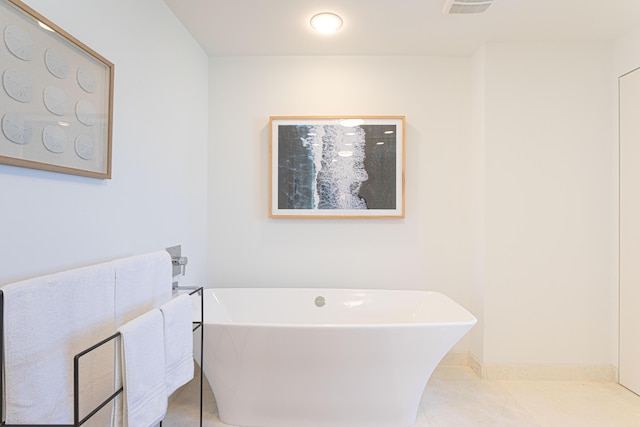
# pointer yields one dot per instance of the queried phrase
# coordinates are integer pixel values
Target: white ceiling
(395, 27)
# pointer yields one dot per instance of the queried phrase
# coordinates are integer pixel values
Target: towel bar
(76, 374)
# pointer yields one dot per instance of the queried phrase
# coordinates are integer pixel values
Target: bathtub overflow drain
(319, 301)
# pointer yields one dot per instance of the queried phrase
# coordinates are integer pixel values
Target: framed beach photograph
(337, 167)
(56, 100)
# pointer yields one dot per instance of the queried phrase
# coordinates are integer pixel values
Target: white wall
(157, 197)
(511, 178)
(477, 177)
(509, 189)
(430, 249)
(626, 58)
(548, 212)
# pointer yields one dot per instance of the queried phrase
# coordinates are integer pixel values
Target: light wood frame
(329, 167)
(56, 97)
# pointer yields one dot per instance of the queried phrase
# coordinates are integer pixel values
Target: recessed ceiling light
(326, 22)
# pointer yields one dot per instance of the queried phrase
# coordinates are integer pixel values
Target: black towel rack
(77, 421)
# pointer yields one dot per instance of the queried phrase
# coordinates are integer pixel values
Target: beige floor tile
(584, 404)
(472, 403)
(456, 397)
(454, 373)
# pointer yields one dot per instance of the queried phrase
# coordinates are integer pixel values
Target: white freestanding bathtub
(325, 357)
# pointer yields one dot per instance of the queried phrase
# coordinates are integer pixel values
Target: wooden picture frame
(56, 99)
(337, 167)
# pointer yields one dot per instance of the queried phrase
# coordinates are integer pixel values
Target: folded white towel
(48, 320)
(143, 282)
(145, 396)
(178, 342)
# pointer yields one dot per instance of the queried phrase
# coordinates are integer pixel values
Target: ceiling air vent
(465, 7)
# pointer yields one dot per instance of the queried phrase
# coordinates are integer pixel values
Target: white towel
(145, 396)
(143, 282)
(48, 320)
(178, 342)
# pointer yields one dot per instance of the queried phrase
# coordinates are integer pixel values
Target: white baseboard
(531, 372)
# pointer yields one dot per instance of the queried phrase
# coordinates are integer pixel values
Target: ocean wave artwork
(329, 166)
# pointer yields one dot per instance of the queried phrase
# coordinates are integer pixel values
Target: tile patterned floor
(456, 397)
